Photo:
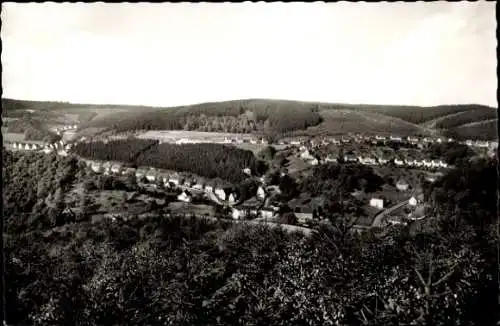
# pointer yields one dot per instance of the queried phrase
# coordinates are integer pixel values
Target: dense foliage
(34, 189)
(188, 271)
(330, 178)
(470, 192)
(451, 152)
(207, 160)
(122, 150)
(33, 129)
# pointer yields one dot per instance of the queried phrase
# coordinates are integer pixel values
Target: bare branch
(420, 277)
(445, 277)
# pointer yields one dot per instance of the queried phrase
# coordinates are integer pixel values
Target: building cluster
(65, 128)
(362, 139)
(59, 147)
(151, 178)
(401, 159)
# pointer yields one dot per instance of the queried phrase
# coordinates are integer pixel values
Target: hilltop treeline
(207, 160)
(419, 114)
(232, 116)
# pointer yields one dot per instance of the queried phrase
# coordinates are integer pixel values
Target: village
(389, 152)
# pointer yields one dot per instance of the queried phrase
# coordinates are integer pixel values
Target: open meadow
(172, 135)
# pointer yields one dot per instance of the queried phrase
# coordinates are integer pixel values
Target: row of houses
(47, 148)
(358, 138)
(371, 160)
(171, 180)
(65, 128)
(481, 143)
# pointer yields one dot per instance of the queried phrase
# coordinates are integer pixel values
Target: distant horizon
(248, 99)
(168, 55)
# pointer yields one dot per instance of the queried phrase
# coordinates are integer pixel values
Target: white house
(106, 166)
(350, 158)
(238, 213)
(185, 196)
(247, 171)
(413, 201)
(395, 138)
(96, 167)
(306, 155)
(221, 193)
(209, 188)
(115, 168)
(402, 185)
(27, 147)
(443, 164)
(261, 193)
(140, 173)
(398, 162)
(14, 145)
(383, 160)
(47, 150)
(434, 164)
(330, 159)
(377, 203)
(314, 161)
(267, 212)
(151, 176)
(232, 198)
(367, 160)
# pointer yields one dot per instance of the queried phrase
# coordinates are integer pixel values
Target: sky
(176, 54)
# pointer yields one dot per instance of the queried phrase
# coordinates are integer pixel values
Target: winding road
(377, 222)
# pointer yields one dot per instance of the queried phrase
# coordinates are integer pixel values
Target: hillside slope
(275, 117)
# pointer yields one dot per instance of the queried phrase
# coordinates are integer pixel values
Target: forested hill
(279, 117)
(207, 160)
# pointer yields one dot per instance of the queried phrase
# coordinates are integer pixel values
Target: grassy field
(9, 137)
(343, 121)
(189, 208)
(172, 135)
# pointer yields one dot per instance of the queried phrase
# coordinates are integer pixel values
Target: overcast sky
(174, 54)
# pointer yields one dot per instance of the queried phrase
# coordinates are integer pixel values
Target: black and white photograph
(250, 163)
